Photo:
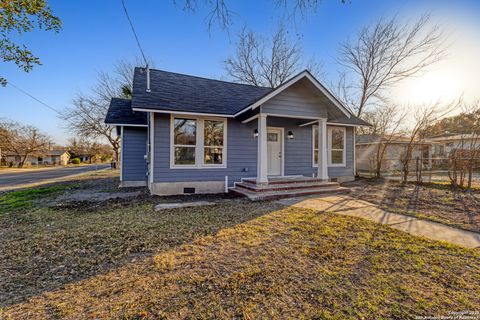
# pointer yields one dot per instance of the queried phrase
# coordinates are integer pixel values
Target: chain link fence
(434, 169)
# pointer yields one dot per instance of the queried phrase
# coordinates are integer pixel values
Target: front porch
(285, 187)
(286, 142)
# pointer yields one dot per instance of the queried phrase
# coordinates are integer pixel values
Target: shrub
(76, 160)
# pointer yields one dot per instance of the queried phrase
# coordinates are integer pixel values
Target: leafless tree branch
(266, 62)
(388, 52)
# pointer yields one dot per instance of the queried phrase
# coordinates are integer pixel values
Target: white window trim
(329, 142)
(329, 146)
(121, 154)
(200, 145)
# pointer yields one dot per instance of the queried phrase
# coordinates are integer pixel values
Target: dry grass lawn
(436, 202)
(234, 260)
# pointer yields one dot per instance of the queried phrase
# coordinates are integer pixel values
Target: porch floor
(285, 187)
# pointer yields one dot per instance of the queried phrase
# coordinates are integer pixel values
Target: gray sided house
(186, 134)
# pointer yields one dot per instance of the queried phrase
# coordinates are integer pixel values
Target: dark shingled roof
(120, 112)
(178, 92)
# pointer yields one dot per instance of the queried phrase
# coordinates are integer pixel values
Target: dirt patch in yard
(433, 202)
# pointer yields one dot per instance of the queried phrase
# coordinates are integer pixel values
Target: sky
(96, 34)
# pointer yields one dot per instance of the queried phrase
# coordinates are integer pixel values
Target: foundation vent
(188, 190)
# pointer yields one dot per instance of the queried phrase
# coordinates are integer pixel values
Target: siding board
(242, 152)
(241, 155)
(134, 144)
(298, 100)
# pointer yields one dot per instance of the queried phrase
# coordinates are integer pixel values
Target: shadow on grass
(45, 248)
(428, 201)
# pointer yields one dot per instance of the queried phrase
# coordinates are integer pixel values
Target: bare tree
(86, 118)
(22, 140)
(474, 155)
(423, 118)
(91, 148)
(386, 123)
(266, 62)
(87, 114)
(384, 54)
(465, 157)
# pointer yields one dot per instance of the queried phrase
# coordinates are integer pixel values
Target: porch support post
(322, 150)
(262, 161)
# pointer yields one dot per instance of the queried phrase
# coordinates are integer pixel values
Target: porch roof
(120, 113)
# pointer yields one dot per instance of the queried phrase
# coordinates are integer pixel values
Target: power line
(34, 98)
(134, 32)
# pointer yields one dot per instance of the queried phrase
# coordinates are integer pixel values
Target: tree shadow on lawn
(45, 248)
(291, 263)
(455, 208)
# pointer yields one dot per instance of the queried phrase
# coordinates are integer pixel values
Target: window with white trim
(336, 146)
(213, 133)
(184, 141)
(197, 142)
(315, 145)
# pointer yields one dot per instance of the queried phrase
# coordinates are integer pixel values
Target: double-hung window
(213, 134)
(184, 141)
(198, 142)
(335, 146)
(315, 145)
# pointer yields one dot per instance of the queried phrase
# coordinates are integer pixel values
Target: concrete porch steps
(285, 188)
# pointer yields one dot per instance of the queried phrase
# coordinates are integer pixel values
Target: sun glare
(457, 75)
(442, 85)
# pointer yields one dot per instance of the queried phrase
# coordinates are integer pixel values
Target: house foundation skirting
(342, 179)
(126, 184)
(173, 188)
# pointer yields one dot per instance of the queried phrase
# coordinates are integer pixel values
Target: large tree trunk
(22, 161)
(116, 154)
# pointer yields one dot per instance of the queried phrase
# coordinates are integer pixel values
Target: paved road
(12, 180)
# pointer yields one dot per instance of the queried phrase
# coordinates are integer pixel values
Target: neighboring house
(367, 147)
(186, 134)
(50, 157)
(445, 144)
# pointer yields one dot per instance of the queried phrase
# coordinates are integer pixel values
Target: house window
(315, 145)
(198, 142)
(213, 142)
(184, 141)
(336, 146)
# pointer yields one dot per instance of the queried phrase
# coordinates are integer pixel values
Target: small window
(213, 145)
(337, 146)
(185, 139)
(272, 137)
(315, 145)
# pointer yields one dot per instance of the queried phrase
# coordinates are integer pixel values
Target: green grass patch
(23, 199)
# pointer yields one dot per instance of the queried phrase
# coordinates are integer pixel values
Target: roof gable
(299, 77)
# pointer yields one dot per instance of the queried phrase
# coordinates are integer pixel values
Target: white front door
(274, 151)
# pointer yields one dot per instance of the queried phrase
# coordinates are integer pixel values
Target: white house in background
(444, 144)
(367, 147)
(50, 157)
